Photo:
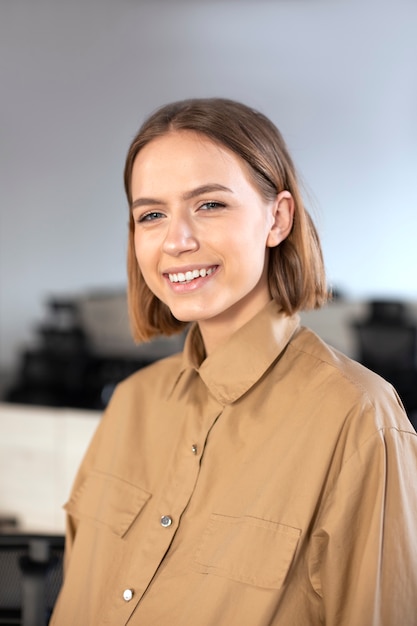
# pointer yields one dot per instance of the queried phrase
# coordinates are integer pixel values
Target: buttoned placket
(174, 498)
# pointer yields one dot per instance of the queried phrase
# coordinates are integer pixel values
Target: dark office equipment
(63, 371)
(387, 344)
(30, 578)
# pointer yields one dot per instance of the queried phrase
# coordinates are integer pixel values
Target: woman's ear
(283, 216)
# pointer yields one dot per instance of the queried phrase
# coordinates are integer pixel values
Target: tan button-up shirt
(273, 483)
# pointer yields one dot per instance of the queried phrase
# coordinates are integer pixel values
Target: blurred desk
(40, 450)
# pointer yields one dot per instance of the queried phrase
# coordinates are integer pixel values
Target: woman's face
(202, 231)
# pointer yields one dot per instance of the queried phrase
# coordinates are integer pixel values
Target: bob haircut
(296, 270)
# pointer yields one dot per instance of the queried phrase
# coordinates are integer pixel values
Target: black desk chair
(30, 578)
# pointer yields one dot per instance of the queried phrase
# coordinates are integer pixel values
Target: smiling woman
(247, 144)
(202, 247)
(243, 482)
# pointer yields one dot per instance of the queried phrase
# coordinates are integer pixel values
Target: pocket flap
(107, 501)
(247, 549)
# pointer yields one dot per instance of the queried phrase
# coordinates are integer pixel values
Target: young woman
(260, 477)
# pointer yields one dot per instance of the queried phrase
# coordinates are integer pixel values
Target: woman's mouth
(190, 275)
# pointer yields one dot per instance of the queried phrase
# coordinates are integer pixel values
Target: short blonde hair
(296, 270)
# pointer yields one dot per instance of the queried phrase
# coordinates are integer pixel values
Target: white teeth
(190, 275)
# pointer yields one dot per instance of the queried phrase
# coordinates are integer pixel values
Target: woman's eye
(150, 217)
(207, 206)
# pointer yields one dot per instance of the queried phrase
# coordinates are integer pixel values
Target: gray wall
(76, 78)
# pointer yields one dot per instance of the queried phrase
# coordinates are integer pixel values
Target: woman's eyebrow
(188, 195)
(145, 202)
(199, 191)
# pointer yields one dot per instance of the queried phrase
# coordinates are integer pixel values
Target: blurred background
(77, 78)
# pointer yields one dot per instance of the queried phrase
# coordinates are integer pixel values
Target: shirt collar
(232, 369)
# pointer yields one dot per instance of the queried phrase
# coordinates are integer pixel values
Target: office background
(77, 78)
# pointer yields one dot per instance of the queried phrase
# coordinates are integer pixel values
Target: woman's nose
(179, 238)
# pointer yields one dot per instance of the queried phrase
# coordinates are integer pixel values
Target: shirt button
(166, 521)
(194, 448)
(127, 595)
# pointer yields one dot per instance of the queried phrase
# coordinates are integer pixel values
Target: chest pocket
(247, 549)
(107, 501)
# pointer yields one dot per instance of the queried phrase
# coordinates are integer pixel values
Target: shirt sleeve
(364, 557)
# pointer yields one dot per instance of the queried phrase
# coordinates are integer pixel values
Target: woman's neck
(216, 331)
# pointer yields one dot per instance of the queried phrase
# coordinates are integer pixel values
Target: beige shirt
(273, 484)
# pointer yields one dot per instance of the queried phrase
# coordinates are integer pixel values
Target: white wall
(77, 78)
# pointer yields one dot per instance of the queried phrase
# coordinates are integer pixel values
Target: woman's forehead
(181, 154)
